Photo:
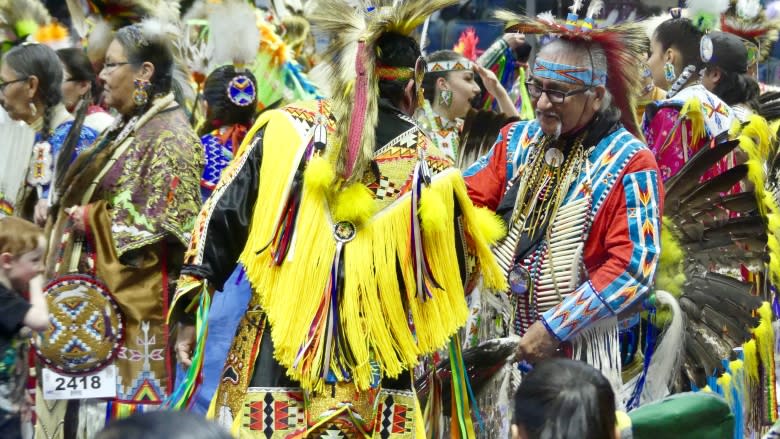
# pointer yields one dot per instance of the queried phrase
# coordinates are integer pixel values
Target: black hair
(681, 34)
(222, 111)
(395, 50)
(430, 78)
(523, 52)
(163, 425)
(140, 49)
(737, 88)
(40, 61)
(80, 68)
(562, 398)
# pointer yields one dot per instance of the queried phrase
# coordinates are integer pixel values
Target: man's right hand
(185, 343)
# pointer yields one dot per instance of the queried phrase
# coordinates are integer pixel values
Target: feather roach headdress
(351, 65)
(747, 19)
(623, 44)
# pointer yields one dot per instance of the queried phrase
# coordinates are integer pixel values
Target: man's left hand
(537, 344)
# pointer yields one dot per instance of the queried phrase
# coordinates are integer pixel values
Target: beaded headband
(582, 76)
(394, 73)
(448, 66)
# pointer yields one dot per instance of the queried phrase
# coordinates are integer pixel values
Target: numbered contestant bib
(86, 327)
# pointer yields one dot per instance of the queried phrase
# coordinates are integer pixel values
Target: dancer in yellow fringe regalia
(355, 231)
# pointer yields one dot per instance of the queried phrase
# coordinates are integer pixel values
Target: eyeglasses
(555, 96)
(111, 66)
(3, 85)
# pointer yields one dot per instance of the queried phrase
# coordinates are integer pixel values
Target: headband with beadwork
(576, 75)
(448, 66)
(623, 46)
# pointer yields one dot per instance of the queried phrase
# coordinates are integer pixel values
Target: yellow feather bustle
(764, 334)
(750, 353)
(694, 112)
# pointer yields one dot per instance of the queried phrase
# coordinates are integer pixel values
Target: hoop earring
(140, 92)
(669, 73)
(445, 97)
(33, 109)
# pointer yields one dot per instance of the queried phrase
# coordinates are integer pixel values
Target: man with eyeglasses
(581, 196)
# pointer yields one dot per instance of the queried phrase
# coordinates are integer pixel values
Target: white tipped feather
(233, 34)
(77, 17)
(547, 17)
(575, 6)
(612, 18)
(664, 366)
(595, 8)
(99, 38)
(748, 9)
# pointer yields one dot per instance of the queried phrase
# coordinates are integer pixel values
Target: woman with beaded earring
(690, 116)
(30, 91)
(119, 238)
(447, 116)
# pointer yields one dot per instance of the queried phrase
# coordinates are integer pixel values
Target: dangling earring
(140, 92)
(33, 109)
(669, 73)
(445, 97)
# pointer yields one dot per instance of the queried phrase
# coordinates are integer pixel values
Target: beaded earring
(445, 97)
(140, 92)
(669, 73)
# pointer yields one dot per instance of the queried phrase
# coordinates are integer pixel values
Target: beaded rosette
(86, 328)
(241, 91)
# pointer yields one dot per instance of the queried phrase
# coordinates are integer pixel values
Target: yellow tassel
(432, 212)
(490, 224)
(758, 130)
(706, 389)
(751, 361)
(492, 276)
(774, 221)
(694, 112)
(319, 174)
(355, 204)
(724, 381)
(764, 334)
(670, 275)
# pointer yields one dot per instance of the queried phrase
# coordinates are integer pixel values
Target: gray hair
(583, 54)
(42, 62)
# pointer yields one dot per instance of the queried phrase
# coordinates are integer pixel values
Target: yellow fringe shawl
(373, 314)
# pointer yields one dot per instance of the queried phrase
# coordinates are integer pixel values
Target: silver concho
(553, 157)
(344, 231)
(705, 48)
(520, 280)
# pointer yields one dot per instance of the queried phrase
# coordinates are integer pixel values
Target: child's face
(25, 267)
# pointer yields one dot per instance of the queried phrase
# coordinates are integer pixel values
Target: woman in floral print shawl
(130, 204)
